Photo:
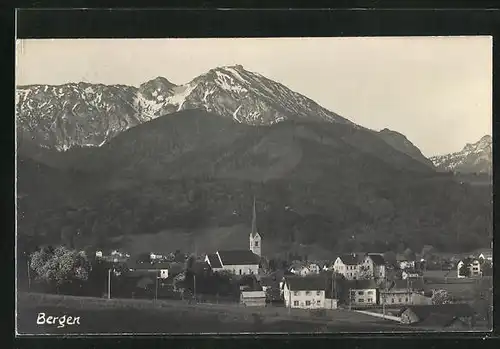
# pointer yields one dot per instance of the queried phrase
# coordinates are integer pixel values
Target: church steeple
(255, 239)
(254, 219)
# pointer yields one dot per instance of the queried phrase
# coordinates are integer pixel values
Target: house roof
(360, 284)
(377, 259)
(214, 260)
(238, 257)
(424, 311)
(306, 283)
(438, 319)
(253, 294)
(407, 284)
(350, 259)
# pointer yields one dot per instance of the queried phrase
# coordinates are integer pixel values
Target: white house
(306, 292)
(410, 274)
(373, 266)
(347, 265)
(305, 270)
(486, 255)
(404, 292)
(154, 256)
(239, 262)
(474, 268)
(405, 264)
(313, 268)
(363, 292)
(253, 298)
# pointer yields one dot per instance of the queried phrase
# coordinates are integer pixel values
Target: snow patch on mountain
(473, 158)
(82, 114)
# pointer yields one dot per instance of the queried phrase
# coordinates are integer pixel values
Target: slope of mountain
(60, 117)
(315, 183)
(195, 142)
(473, 158)
(84, 114)
(401, 143)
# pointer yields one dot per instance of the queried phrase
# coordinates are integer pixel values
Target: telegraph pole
(156, 286)
(334, 289)
(109, 283)
(29, 275)
(194, 285)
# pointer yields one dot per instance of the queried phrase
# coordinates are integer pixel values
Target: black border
(154, 23)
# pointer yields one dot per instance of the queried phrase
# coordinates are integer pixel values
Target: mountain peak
(400, 142)
(473, 158)
(159, 81)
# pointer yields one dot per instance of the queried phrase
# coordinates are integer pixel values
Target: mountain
(473, 158)
(401, 143)
(60, 117)
(82, 114)
(315, 183)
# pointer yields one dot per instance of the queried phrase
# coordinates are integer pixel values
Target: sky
(437, 91)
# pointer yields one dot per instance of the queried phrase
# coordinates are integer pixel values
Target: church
(240, 262)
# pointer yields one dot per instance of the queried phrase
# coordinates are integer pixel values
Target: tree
(486, 269)
(59, 266)
(390, 257)
(144, 258)
(465, 269)
(409, 254)
(440, 297)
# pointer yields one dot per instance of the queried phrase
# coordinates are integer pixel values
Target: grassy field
(102, 316)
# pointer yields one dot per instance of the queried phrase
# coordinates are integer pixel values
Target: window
(308, 303)
(370, 292)
(369, 300)
(240, 271)
(256, 244)
(295, 303)
(361, 300)
(296, 293)
(406, 299)
(353, 293)
(360, 293)
(399, 300)
(318, 302)
(308, 293)
(392, 300)
(318, 293)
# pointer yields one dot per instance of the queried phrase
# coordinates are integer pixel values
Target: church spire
(254, 219)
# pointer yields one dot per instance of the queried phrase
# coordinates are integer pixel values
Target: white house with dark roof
(362, 292)
(374, 265)
(309, 292)
(347, 265)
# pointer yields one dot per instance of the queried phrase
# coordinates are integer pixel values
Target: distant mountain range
(473, 158)
(107, 161)
(82, 114)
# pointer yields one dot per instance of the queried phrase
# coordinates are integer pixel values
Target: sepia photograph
(254, 185)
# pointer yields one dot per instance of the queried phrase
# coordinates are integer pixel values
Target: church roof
(213, 260)
(238, 257)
